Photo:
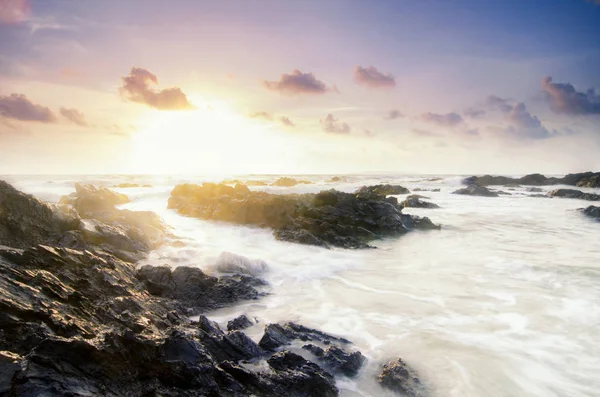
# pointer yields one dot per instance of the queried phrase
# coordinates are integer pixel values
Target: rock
(475, 190)
(232, 263)
(288, 182)
(503, 193)
(384, 190)
(10, 365)
(538, 195)
(302, 375)
(239, 323)
(413, 201)
(534, 190)
(575, 194)
(329, 218)
(586, 179)
(193, 288)
(337, 179)
(247, 183)
(277, 335)
(402, 379)
(130, 185)
(89, 200)
(337, 359)
(592, 212)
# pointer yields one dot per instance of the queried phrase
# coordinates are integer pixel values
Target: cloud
(18, 107)
(286, 121)
(474, 113)
(524, 125)
(427, 133)
(368, 133)
(334, 126)
(14, 11)
(74, 115)
(261, 115)
(298, 83)
(137, 87)
(393, 115)
(564, 98)
(445, 120)
(498, 103)
(373, 78)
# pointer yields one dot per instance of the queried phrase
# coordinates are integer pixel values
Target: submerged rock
(383, 190)
(575, 194)
(328, 218)
(414, 201)
(402, 379)
(592, 212)
(289, 182)
(475, 190)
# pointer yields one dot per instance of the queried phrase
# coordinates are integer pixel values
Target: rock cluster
(575, 194)
(585, 179)
(328, 218)
(383, 190)
(476, 190)
(414, 201)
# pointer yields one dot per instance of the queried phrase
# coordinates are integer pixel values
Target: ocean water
(504, 301)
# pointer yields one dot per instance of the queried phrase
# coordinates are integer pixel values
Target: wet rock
(329, 218)
(575, 194)
(337, 179)
(475, 190)
(418, 189)
(402, 379)
(538, 195)
(228, 262)
(130, 185)
(239, 323)
(586, 179)
(414, 201)
(10, 365)
(503, 193)
(592, 212)
(89, 199)
(384, 190)
(277, 335)
(534, 189)
(301, 375)
(338, 360)
(289, 182)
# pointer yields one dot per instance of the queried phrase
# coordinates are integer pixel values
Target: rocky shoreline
(78, 318)
(584, 179)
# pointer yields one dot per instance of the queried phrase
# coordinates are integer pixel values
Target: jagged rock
(277, 335)
(10, 365)
(592, 212)
(414, 201)
(228, 262)
(328, 218)
(89, 199)
(585, 179)
(337, 359)
(503, 193)
(534, 189)
(239, 323)
(192, 287)
(575, 194)
(475, 190)
(384, 190)
(402, 379)
(289, 182)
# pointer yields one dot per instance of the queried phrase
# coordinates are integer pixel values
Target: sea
(503, 301)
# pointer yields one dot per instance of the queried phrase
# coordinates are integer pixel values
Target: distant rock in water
(329, 218)
(574, 194)
(425, 190)
(337, 179)
(414, 201)
(502, 193)
(289, 182)
(228, 262)
(586, 179)
(592, 212)
(385, 190)
(475, 190)
(247, 183)
(402, 379)
(130, 185)
(534, 189)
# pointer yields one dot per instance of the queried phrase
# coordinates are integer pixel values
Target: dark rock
(277, 335)
(192, 287)
(592, 212)
(89, 199)
(383, 190)
(10, 365)
(289, 182)
(413, 201)
(475, 190)
(586, 179)
(503, 193)
(426, 190)
(239, 323)
(575, 194)
(338, 360)
(534, 189)
(402, 379)
(329, 218)
(538, 195)
(337, 179)
(302, 375)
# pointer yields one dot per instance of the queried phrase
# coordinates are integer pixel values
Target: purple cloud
(137, 87)
(524, 125)
(564, 98)
(18, 107)
(268, 116)
(373, 78)
(333, 125)
(474, 113)
(74, 116)
(261, 115)
(445, 120)
(393, 115)
(298, 83)
(498, 103)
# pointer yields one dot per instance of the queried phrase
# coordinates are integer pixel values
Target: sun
(209, 140)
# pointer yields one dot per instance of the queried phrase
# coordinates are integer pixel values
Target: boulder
(585, 179)
(228, 262)
(328, 218)
(277, 335)
(239, 323)
(592, 212)
(89, 200)
(476, 190)
(383, 190)
(402, 379)
(338, 360)
(289, 182)
(414, 201)
(534, 189)
(575, 194)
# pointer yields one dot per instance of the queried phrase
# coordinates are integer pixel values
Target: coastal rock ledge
(328, 218)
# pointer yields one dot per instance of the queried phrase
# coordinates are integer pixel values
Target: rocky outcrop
(337, 179)
(592, 212)
(289, 182)
(585, 179)
(239, 323)
(383, 190)
(414, 201)
(418, 189)
(247, 183)
(475, 190)
(329, 218)
(575, 194)
(402, 379)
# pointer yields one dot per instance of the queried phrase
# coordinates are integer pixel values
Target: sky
(299, 87)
